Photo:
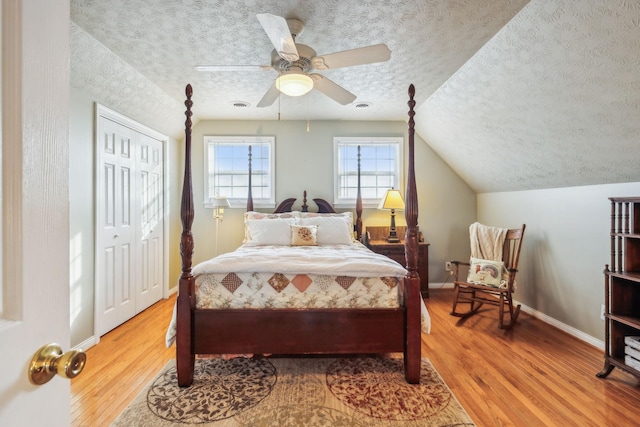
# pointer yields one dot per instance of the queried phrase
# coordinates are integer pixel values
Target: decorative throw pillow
(304, 235)
(271, 232)
(332, 229)
(484, 271)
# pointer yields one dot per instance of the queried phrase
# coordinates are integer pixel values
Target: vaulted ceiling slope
(553, 100)
(512, 94)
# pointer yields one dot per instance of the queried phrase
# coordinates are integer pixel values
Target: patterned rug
(304, 391)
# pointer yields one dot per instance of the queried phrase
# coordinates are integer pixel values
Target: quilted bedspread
(328, 276)
(347, 260)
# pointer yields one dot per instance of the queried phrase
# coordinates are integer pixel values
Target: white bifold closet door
(151, 237)
(129, 260)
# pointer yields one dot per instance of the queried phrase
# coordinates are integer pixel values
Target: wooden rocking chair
(485, 283)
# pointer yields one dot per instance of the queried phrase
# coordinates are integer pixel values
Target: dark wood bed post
(186, 286)
(249, 193)
(359, 204)
(412, 280)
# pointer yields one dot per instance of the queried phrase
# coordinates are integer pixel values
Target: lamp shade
(219, 202)
(392, 200)
(294, 84)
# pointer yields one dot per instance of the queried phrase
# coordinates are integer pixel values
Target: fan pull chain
(307, 113)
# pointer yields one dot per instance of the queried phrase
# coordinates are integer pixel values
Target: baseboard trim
(563, 326)
(91, 341)
(440, 285)
(87, 344)
(545, 318)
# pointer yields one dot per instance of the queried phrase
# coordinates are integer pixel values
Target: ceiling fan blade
(269, 98)
(233, 67)
(278, 32)
(348, 58)
(332, 90)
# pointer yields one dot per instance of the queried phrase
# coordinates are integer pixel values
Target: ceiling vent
(240, 104)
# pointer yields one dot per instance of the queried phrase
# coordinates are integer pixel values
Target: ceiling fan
(295, 62)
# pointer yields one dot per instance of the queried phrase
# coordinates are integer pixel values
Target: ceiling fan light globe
(294, 84)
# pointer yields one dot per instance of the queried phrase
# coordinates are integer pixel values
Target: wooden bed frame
(299, 331)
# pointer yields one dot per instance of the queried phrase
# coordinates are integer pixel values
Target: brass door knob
(49, 361)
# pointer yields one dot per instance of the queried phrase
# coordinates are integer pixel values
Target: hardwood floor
(119, 367)
(533, 375)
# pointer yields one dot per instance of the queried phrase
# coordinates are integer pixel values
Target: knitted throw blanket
(487, 242)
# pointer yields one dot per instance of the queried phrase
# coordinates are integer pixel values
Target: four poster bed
(378, 309)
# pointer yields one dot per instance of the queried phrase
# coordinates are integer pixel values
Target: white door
(34, 309)
(116, 226)
(149, 289)
(130, 252)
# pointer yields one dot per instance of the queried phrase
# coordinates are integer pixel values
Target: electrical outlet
(602, 312)
(447, 265)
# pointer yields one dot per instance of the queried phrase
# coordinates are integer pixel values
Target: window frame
(398, 176)
(212, 140)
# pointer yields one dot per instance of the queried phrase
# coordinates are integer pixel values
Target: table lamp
(392, 200)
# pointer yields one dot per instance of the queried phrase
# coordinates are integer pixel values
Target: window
(227, 169)
(380, 169)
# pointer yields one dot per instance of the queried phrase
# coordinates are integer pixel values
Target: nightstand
(374, 239)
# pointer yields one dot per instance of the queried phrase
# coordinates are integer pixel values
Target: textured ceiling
(511, 94)
(553, 100)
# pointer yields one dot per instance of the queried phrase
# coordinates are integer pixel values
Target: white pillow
(347, 215)
(252, 215)
(332, 229)
(271, 232)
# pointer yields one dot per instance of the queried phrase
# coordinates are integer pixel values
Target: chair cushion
(486, 272)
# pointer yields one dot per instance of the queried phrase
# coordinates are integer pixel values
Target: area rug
(304, 391)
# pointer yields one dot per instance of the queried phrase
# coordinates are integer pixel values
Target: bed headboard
(323, 205)
(287, 205)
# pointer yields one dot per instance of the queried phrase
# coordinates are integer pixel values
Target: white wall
(304, 161)
(93, 67)
(565, 248)
(82, 213)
